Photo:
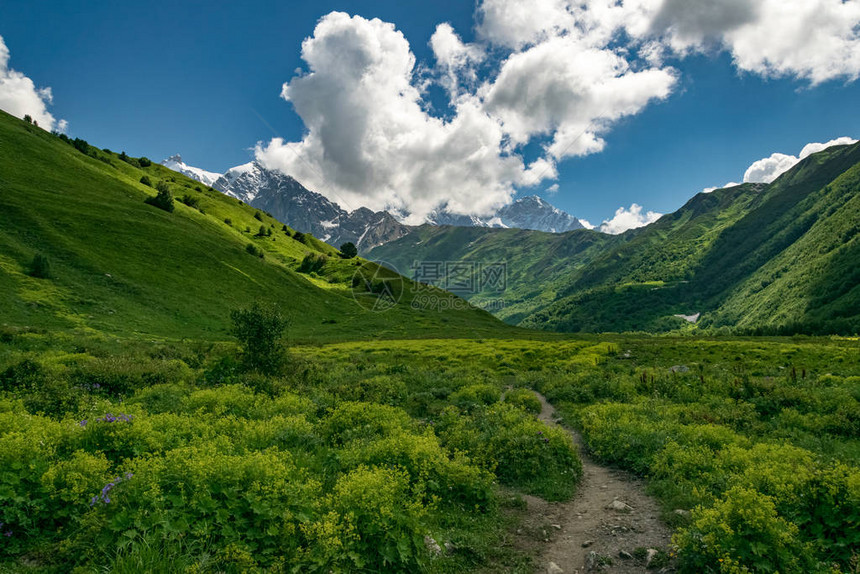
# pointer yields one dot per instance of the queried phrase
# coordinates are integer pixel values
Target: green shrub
(348, 250)
(521, 450)
(251, 500)
(373, 524)
(313, 263)
(121, 376)
(146, 181)
(379, 389)
(40, 267)
(144, 162)
(352, 421)
(163, 200)
(452, 480)
(742, 532)
(524, 399)
(474, 396)
(190, 201)
(259, 330)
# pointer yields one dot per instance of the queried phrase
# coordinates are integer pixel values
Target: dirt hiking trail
(600, 529)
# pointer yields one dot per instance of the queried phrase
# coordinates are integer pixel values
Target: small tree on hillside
(28, 118)
(348, 250)
(164, 199)
(40, 267)
(260, 329)
(146, 181)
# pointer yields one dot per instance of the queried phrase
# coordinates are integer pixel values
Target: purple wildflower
(104, 496)
(83, 423)
(110, 418)
(7, 534)
(546, 440)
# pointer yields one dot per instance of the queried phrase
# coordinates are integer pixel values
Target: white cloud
(572, 91)
(626, 219)
(367, 131)
(812, 148)
(726, 186)
(814, 40)
(455, 59)
(515, 24)
(585, 223)
(19, 95)
(559, 73)
(767, 170)
(370, 140)
(553, 189)
(817, 40)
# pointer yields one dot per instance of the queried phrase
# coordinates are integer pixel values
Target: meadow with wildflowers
(368, 456)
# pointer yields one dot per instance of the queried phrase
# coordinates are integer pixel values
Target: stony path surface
(609, 516)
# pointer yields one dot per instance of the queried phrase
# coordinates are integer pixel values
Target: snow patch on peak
(175, 163)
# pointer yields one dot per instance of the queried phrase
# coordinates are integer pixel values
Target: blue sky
(204, 79)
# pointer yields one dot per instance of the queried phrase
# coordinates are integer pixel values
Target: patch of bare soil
(611, 525)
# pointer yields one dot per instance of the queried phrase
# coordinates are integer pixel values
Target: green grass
(715, 424)
(122, 267)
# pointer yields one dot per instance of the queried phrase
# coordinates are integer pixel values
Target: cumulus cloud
(370, 140)
(547, 75)
(767, 170)
(626, 219)
(19, 95)
(814, 40)
(456, 60)
(565, 88)
(726, 186)
(368, 133)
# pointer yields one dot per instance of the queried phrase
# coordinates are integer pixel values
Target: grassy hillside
(124, 267)
(536, 262)
(774, 258)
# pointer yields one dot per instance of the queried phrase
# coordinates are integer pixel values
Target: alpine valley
(765, 258)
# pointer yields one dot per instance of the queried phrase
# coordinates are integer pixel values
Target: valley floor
(434, 455)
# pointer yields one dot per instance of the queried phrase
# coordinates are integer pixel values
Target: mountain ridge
(295, 205)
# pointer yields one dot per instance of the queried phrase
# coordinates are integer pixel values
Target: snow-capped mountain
(176, 164)
(307, 211)
(290, 202)
(527, 213)
(534, 213)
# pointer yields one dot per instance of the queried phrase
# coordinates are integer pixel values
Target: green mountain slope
(120, 266)
(535, 262)
(763, 258)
